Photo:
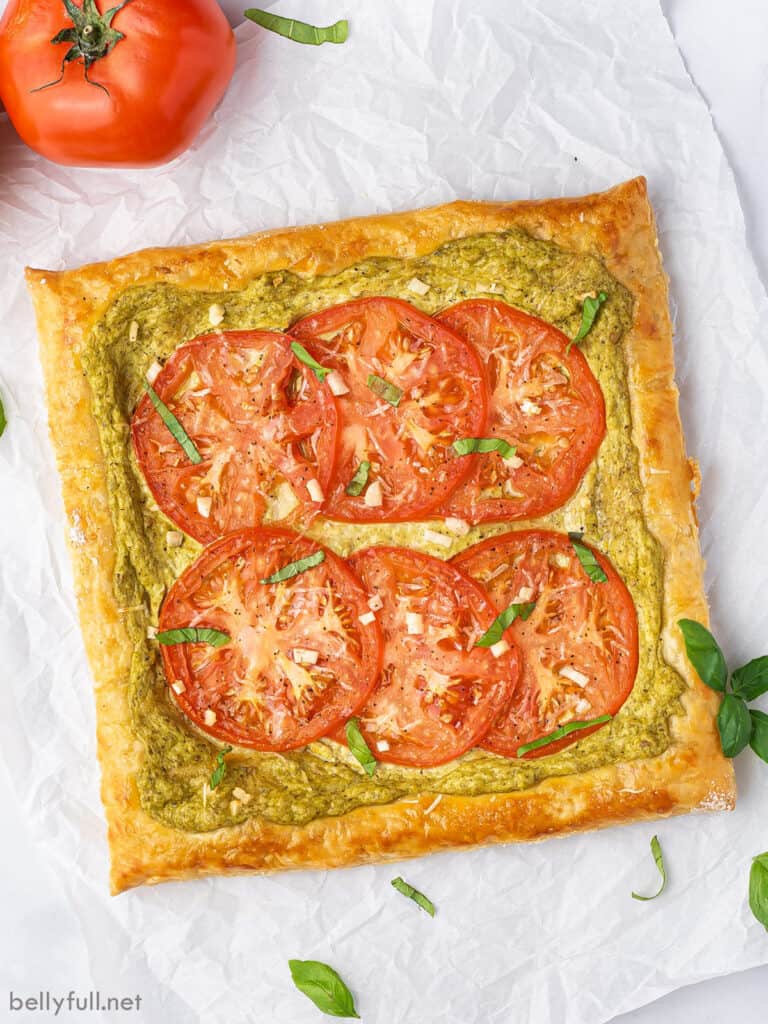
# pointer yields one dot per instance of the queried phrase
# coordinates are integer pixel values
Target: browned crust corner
(618, 226)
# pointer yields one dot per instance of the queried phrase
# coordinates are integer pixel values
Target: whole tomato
(130, 85)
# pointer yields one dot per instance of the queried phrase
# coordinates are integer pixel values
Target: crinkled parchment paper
(426, 102)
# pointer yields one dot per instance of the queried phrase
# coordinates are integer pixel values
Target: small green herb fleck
(324, 987)
(220, 769)
(384, 389)
(193, 635)
(502, 622)
(413, 894)
(3, 420)
(589, 562)
(481, 445)
(321, 372)
(561, 733)
(174, 426)
(659, 858)
(299, 31)
(295, 568)
(355, 486)
(358, 747)
(589, 311)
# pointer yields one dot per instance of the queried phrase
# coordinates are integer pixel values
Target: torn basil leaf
(384, 389)
(758, 738)
(324, 987)
(413, 894)
(193, 635)
(734, 725)
(496, 629)
(295, 568)
(321, 372)
(561, 733)
(704, 654)
(355, 486)
(758, 889)
(659, 858)
(174, 426)
(751, 680)
(589, 311)
(481, 445)
(299, 31)
(220, 769)
(358, 747)
(589, 563)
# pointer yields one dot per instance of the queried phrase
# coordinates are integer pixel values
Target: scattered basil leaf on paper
(174, 426)
(385, 389)
(734, 725)
(502, 622)
(704, 654)
(659, 858)
(589, 310)
(355, 486)
(751, 680)
(589, 563)
(758, 889)
(321, 372)
(324, 987)
(220, 769)
(561, 733)
(358, 747)
(481, 445)
(295, 568)
(193, 635)
(758, 738)
(413, 894)
(299, 31)
(3, 420)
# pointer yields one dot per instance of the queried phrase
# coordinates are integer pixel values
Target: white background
(724, 45)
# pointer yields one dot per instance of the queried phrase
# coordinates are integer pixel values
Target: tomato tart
(381, 531)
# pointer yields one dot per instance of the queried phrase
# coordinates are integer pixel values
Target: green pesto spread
(324, 779)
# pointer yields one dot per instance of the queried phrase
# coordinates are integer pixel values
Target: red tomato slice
(546, 403)
(408, 446)
(299, 660)
(259, 418)
(579, 647)
(438, 694)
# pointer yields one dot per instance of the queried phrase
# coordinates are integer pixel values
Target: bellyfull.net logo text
(72, 1002)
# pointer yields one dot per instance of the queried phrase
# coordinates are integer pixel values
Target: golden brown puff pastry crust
(618, 226)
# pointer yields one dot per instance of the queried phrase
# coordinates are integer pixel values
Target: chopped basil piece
(193, 635)
(299, 31)
(758, 889)
(734, 725)
(589, 563)
(295, 568)
(324, 987)
(220, 769)
(355, 486)
(659, 858)
(321, 372)
(496, 629)
(174, 426)
(3, 420)
(704, 654)
(589, 311)
(358, 747)
(413, 894)
(389, 392)
(558, 734)
(470, 445)
(751, 680)
(758, 739)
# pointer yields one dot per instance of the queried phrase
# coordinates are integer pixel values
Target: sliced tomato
(408, 446)
(544, 400)
(264, 425)
(579, 647)
(299, 660)
(438, 694)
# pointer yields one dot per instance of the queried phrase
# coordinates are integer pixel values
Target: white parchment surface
(428, 101)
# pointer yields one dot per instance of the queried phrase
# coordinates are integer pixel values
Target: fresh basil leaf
(589, 563)
(704, 654)
(758, 739)
(659, 858)
(758, 889)
(193, 635)
(384, 389)
(295, 568)
(355, 486)
(220, 769)
(174, 426)
(589, 311)
(734, 725)
(481, 445)
(413, 894)
(496, 629)
(358, 747)
(3, 420)
(751, 680)
(321, 372)
(299, 31)
(558, 734)
(324, 987)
